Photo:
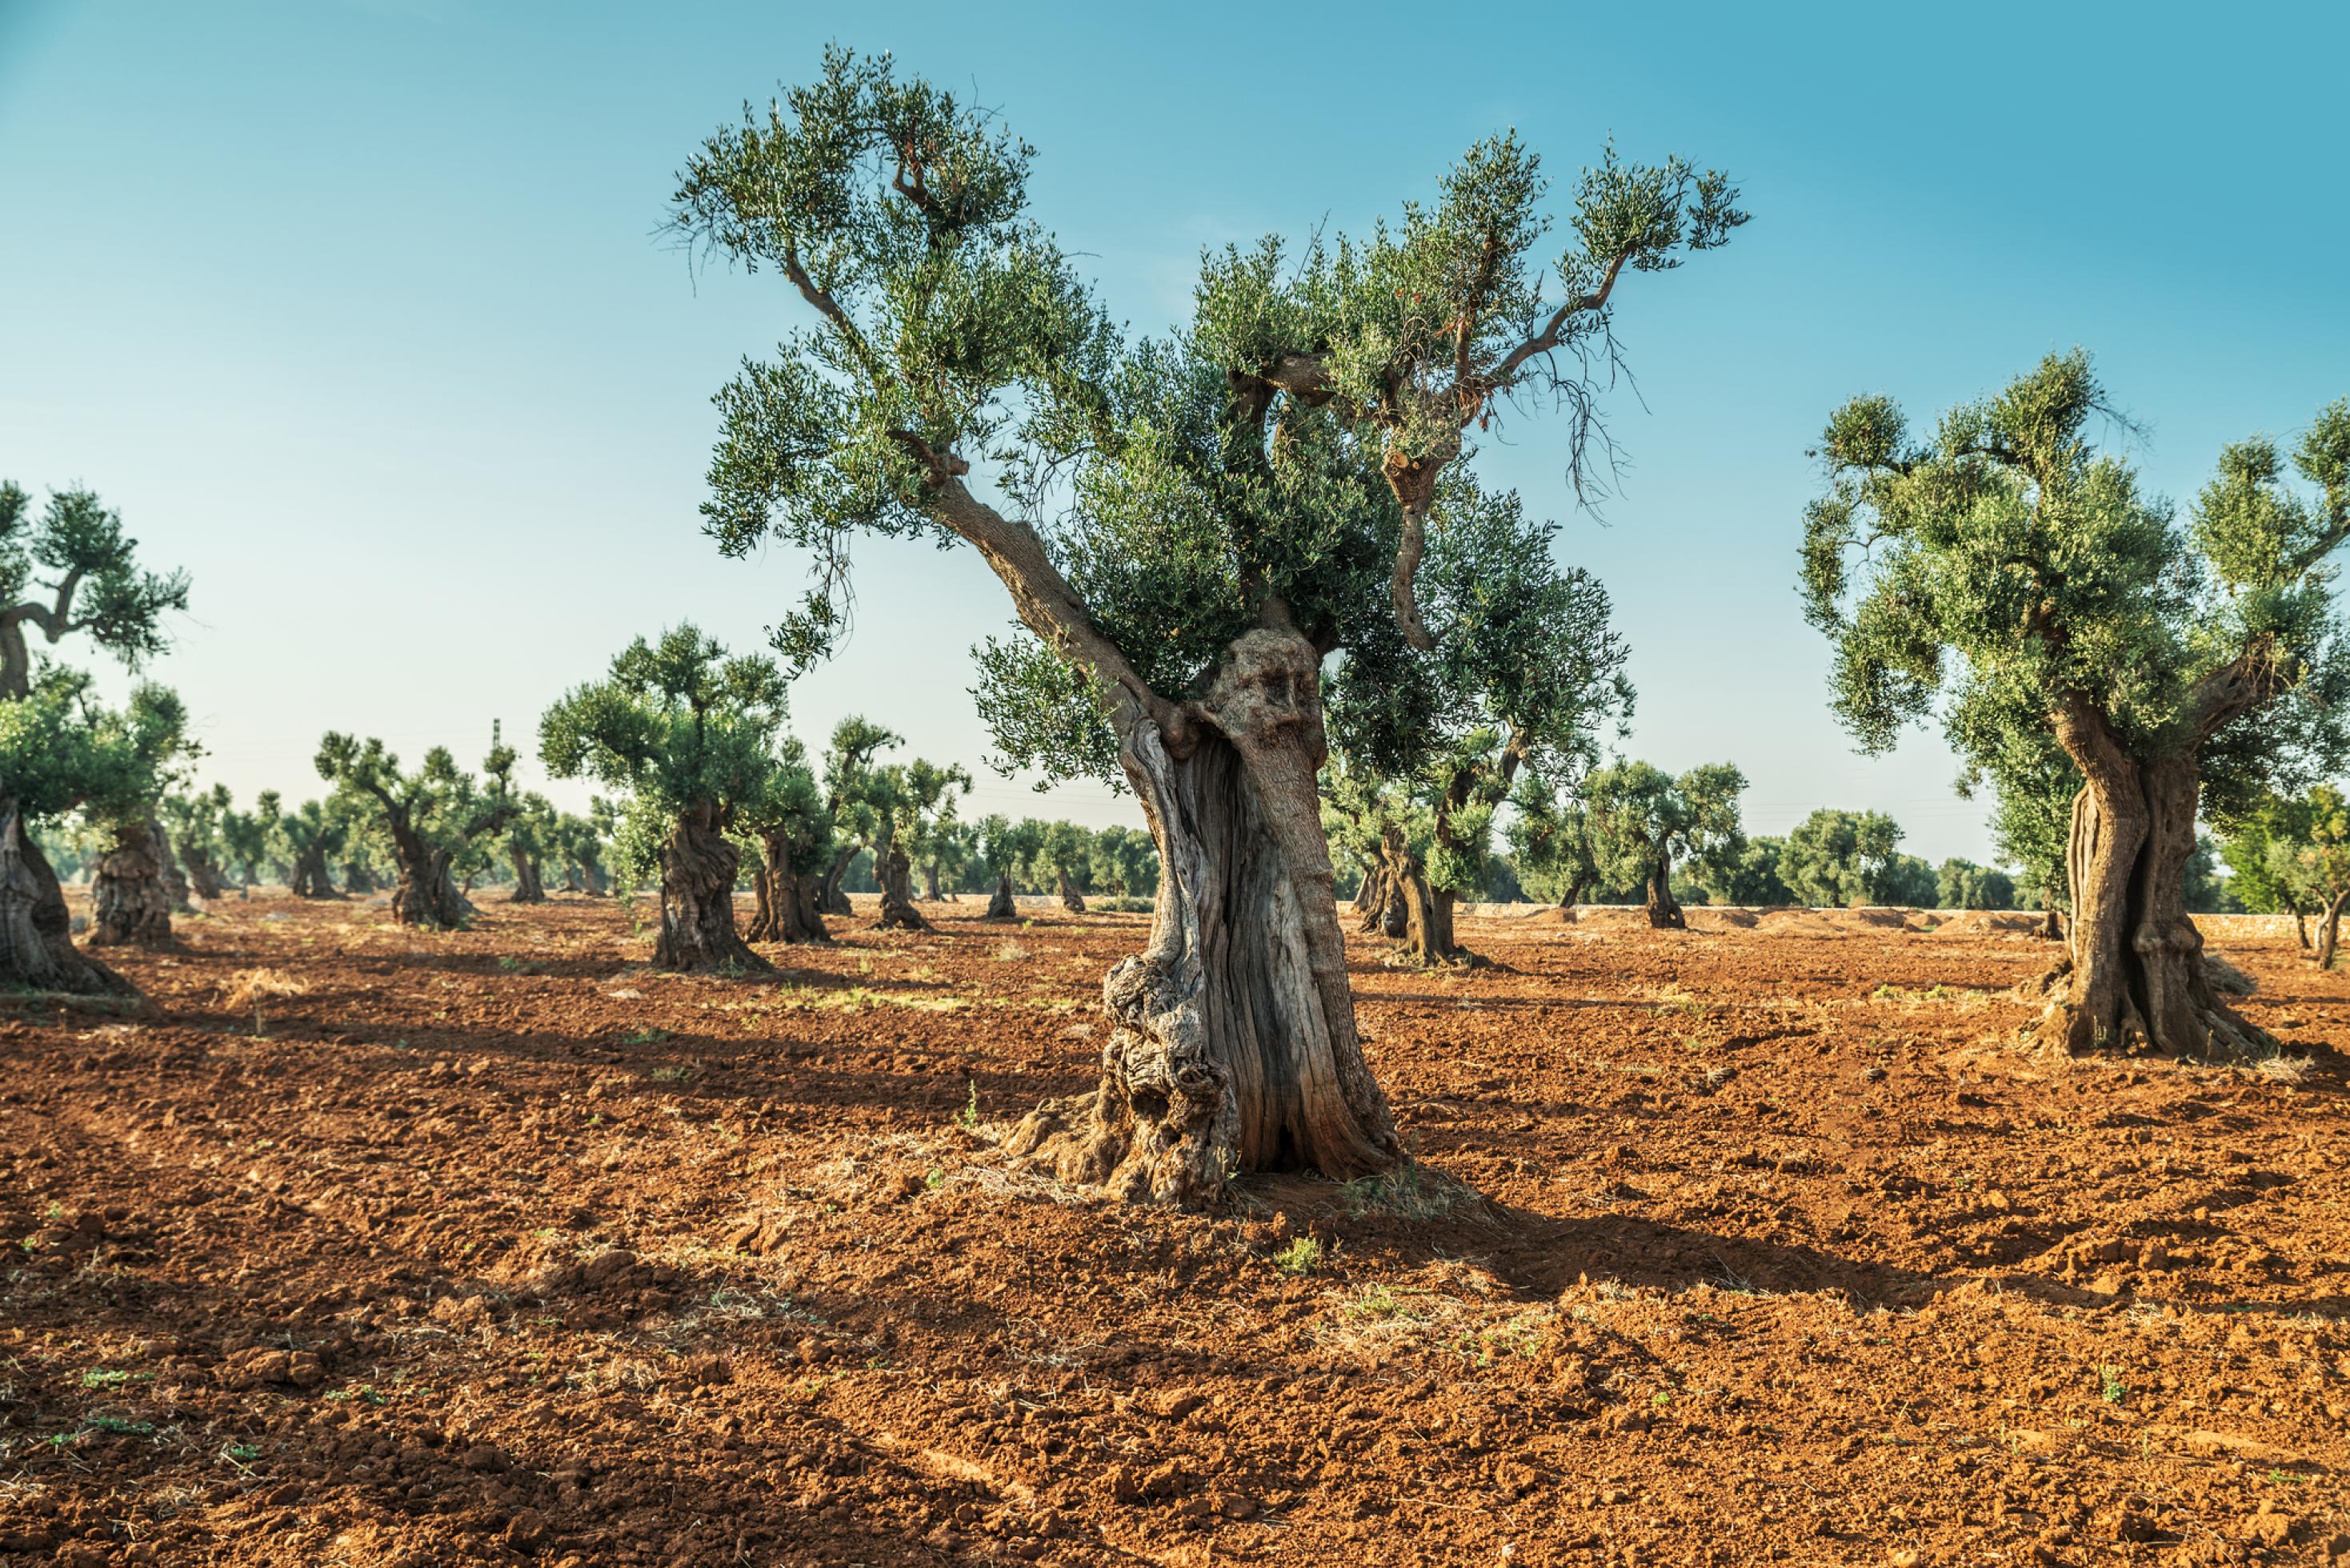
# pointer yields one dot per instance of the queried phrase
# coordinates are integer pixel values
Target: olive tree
(1185, 527)
(132, 897)
(792, 828)
(431, 816)
(68, 570)
(692, 734)
(1125, 862)
(1005, 850)
(313, 834)
(196, 821)
(1527, 674)
(2005, 568)
(1643, 820)
(1963, 885)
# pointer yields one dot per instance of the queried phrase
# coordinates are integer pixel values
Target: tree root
(2225, 1035)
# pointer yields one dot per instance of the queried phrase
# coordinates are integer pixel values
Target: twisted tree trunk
(2329, 929)
(204, 873)
(425, 894)
(897, 912)
(697, 932)
(2133, 973)
(830, 898)
(1427, 910)
(1231, 1043)
(1071, 899)
(36, 950)
(176, 881)
(131, 900)
(931, 883)
(310, 880)
(530, 885)
(787, 902)
(2300, 925)
(1001, 907)
(1664, 910)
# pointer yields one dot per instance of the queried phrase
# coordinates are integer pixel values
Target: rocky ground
(1759, 1242)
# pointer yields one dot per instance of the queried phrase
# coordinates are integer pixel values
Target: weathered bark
(309, 879)
(1664, 910)
(176, 881)
(787, 911)
(530, 885)
(204, 873)
(930, 884)
(830, 898)
(130, 900)
(1233, 1045)
(2133, 974)
(1371, 904)
(2329, 931)
(897, 878)
(1001, 907)
(1071, 899)
(2052, 925)
(1427, 910)
(697, 930)
(2300, 925)
(425, 894)
(36, 950)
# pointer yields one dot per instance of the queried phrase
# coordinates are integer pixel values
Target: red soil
(1745, 1244)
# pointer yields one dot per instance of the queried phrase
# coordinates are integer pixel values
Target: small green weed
(1301, 1256)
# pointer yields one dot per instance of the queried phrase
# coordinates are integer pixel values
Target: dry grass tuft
(252, 987)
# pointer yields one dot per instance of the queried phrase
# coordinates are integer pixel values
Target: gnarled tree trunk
(131, 900)
(203, 873)
(1071, 899)
(530, 886)
(426, 895)
(897, 912)
(175, 880)
(2300, 925)
(831, 898)
(1427, 910)
(2133, 972)
(787, 911)
(1001, 905)
(36, 950)
(310, 880)
(2329, 931)
(1233, 1044)
(697, 931)
(1664, 910)
(930, 884)
(358, 878)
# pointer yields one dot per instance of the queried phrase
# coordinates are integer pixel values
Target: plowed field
(1759, 1242)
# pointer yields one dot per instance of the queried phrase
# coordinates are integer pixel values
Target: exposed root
(2223, 1037)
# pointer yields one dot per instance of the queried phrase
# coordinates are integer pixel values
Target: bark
(1233, 1044)
(176, 881)
(830, 899)
(530, 885)
(1073, 901)
(2133, 973)
(309, 879)
(1664, 910)
(897, 912)
(425, 894)
(2329, 931)
(204, 874)
(36, 950)
(1371, 900)
(599, 884)
(1427, 910)
(2300, 925)
(357, 877)
(2052, 925)
(131, 899)
(930, 884)
(697, 931)
(787, 911)
(1002, 907)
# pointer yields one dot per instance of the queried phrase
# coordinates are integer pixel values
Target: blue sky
(357, 309)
